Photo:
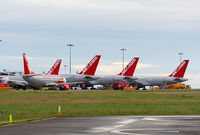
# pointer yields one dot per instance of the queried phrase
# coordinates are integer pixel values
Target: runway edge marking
(28, 121)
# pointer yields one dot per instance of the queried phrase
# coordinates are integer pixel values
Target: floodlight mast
(70, 57)
(180, 54)
(123, 50)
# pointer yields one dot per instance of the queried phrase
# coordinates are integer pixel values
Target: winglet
(91, 67)
(55, 68)
(130, 68)
(27, 69)
(180, 70)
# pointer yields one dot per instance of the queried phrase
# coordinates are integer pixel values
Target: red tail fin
(55, 68)
(130, 68)
(180, 70)
(27, 70)
(90, 69)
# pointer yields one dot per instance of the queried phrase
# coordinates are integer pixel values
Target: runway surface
(119, 125)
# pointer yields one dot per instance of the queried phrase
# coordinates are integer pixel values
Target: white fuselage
(109, 79)
(76, 78)
(15, 80)
(158, 81)
(93, 80)
(137, 81)
(44, 80)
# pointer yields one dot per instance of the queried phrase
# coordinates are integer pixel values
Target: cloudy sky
(154, 30)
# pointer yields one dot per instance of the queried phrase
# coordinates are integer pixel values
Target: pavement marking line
(43, 119)
(160, 118)
(152, 119)
(127, 121)
(124, 131)
(173, 116)
(121, 124)
(121, 132)
(8, 125)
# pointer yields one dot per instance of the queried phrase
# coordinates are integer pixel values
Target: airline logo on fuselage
(52, 78)
(61, 80)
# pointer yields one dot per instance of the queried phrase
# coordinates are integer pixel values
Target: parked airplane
(175, 77)
(125, 75)
(17, 81)
(73, 79)
(3, 82)
(87, 74)
(50, 79)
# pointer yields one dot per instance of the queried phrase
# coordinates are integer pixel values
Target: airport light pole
(180, 54)
(123, 50)
(65, 66)
(70, 57)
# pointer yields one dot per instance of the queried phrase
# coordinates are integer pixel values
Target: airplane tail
(130, 68)
(91, 67)
(55, 68)
(180, 70)
(27, 69)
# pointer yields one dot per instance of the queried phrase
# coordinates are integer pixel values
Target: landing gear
(144, 88)
(83, 87)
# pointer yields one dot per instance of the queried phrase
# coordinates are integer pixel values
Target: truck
(178, 86)
(119, 85)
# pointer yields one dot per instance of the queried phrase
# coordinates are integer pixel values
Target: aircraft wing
(21, 83)
(141, 82)
(30, 75)
(90, 78)
(130, 79)
(52, 84)
(178, 80)
(75, 83)
(60, 84)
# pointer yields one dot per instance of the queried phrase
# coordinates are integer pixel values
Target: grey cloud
(93, 14)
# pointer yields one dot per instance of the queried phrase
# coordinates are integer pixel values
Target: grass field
(29, 105)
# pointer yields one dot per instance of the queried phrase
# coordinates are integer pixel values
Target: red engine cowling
(119, 85)
(66, 86)
(1, 79)
(3, 85)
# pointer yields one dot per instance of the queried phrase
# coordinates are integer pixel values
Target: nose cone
(4, 79)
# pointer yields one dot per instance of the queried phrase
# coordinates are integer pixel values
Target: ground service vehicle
(178, 86)
(119, 85)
